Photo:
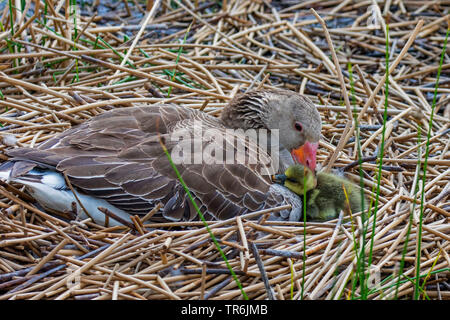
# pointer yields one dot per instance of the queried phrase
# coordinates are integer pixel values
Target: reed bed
(62, 64)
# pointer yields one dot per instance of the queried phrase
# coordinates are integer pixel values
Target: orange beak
(306, 155)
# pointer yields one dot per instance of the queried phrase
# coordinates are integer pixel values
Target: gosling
(325, 195)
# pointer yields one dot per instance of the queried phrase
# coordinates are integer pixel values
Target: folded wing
(117, 156)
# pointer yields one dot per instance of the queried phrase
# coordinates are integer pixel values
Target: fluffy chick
(325, 195)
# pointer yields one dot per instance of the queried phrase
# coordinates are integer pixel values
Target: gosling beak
(306, 154)
(279, 178)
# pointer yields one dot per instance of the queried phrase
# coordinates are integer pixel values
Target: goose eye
(298, 126)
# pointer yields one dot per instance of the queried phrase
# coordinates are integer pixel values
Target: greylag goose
(325, 195)
(115, 160)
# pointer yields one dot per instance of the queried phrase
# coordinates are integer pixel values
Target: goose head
(293, 114)
(297, 178)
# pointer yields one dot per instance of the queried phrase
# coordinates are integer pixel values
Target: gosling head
(297, 178)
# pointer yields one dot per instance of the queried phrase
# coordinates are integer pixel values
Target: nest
(62, 65)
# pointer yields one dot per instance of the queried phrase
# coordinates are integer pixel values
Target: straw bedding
(60, 66)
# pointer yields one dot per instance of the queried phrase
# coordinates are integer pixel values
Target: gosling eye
(298, 126)
(291, 180)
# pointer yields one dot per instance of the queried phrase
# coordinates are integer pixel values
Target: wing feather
(117, 156)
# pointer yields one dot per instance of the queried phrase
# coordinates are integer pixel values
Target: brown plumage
(117, 156)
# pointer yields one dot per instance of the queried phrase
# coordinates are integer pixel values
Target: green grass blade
(186, 189)
(361, 258)
(73, 12)
(381, 151)
(425, 164)
(178, 58)
(431, 269)
(408, 232)
(304, 238)
(406, 278)
(116, 52)
(11, 17)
